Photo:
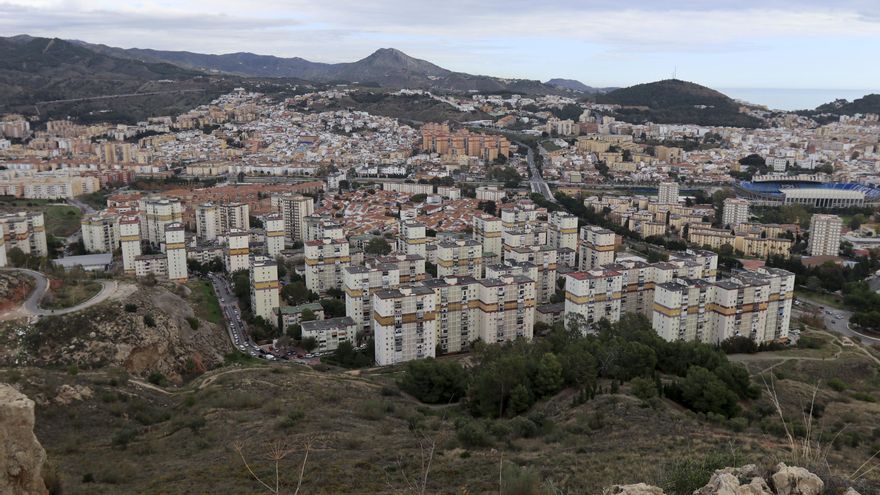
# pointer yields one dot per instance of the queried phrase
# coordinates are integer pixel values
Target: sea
(794, 99)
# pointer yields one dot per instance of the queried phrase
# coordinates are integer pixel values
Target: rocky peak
(21, 455)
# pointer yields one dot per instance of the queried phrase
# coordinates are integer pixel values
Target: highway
(536, 181)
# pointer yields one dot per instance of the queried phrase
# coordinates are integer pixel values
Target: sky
(807, 44)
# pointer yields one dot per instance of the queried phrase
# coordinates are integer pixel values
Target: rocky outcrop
(70, 393)
(793, 480)
(637, 489)
(21, 455)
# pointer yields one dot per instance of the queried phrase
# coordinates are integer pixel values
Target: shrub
(88, 478)
(643, 388)
(149, 320)
(193, 322)
(157, 378)
(523, 427)
(130, 308)
(837, 384)
(473, 434)
(371, 409)
(123, 437)
(862, 396)
(432, 381)
(684, 476)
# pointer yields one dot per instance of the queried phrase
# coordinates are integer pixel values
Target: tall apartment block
(404, 324)
(360, 283)
(207, 222)
(594, 294)
(667, 193)
(412, 239)
(457, 300)
(175, 252)
(264, 288)
(754, 304)
(294, 208)
(2, 247)
(25, 231)
(273, 224)
(736, 211)
(130, 240)
(461, 258)
(234, 216)
(545, 261)
(824, 237)
(156, 214)
(325, 261)
(319, 227)
(597, 247)
(410, 266)
(236, 255)
(506, 308)
(562, 230)
(487, 231)
(100, 232)
(214, 220)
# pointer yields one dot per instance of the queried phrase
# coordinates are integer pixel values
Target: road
(232, 313)
(536, 181)
(837, 320)
(31, 305)
(124, 95)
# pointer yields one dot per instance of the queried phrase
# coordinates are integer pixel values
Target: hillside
(386, 67)
(672, 101)
(412, 108)
(866, 104)
(37, 72)
(575, 85)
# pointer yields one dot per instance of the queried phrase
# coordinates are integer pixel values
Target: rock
(21, 455)
(736, 481)
(67, 394)
(851, 491)
(637, 489)
(793, 480)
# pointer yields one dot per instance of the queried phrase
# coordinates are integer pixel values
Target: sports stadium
(809, 190)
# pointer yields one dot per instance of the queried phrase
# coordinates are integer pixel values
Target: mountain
(386, 67)
(672, 101)
(575, 85)
(35, 73)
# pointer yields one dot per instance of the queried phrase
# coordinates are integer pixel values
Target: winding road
(31, 306)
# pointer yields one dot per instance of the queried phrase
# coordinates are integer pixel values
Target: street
(836, 320)
(536, 181)
(231, 312)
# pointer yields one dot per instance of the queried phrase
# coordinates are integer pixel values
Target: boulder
(793, 480)
(637, 489)
(21, 455)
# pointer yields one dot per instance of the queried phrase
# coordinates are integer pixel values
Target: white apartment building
(151, 264)
(329, 333)
(667, 193)
(325, 260)
(460, 258)
(487, 231)
(736, 211)
(156, 214)
(130, 241)
(562, 230)
(360, 283)
(175, 251)
(264, 289)
(215, 220)
(594, 294)
(273, 224)
(404, 324)
(824, 237)
(506, 308)
(236, 255)
(490, 193)
(100, 232)
(319, 227)
(412, 239)
(597, 247)
(294, 208)
(25, 231)
(544, 258)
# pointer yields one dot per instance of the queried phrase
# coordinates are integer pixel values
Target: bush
(193, 322)
(292, 418)
(123, 437)
(862, 396)
(684, 476)
(434, 382)
(149, 320)
(523, 427)
(371, 409)
(473, 434)
(157, 378)
(643, 388)
(130, 308)
(837, 384)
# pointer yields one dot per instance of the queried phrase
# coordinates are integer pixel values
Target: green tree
(548, 377)
(296, 293)
(703, 391)
(643, 388)
(520, 399)
(433, 381)
(378, 246)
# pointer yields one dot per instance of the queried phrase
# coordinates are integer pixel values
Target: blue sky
(724, 43)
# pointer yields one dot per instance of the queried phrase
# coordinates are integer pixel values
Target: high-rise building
(487, 231)
(458, 323)
(597, 247)
(360, 282)
(237, 253)
(736, 211)
(668, 193)
(156, 213)
(130, 240)
(562, 230)
(404, 324)
(824, 237)
(319, 227)
(175, 252)
(460, 258)
(100, 232)
(214, 220)
(544, 258)
(273, 224)
(412, 238)
(207, 221)
(506, 308)
(325, 260)
(593, 294)
(294, 208)
(25, 231)
(234, 216)
(264, 288)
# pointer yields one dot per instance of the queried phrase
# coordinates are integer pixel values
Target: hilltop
(672, 101)
(830, 112)
(575, 85)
